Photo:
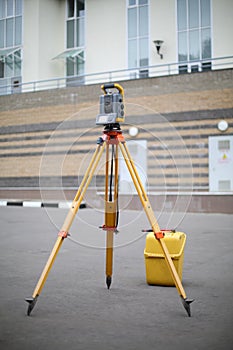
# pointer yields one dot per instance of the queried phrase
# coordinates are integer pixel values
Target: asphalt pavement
(76, 310)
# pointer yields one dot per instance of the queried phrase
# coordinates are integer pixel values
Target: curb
(37, 204)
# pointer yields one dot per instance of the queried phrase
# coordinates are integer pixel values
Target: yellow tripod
(112, 137)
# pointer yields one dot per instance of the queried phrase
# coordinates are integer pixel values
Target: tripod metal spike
(108, 281)
(186, 303)
(32, 303)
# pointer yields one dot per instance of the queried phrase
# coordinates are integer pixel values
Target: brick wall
(167, 85)
(189, 105)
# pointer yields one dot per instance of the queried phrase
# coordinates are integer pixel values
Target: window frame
(75, 65)
(187, 32)
(11, 64)
(138, 38)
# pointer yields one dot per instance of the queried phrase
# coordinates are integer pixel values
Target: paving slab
(77, 311)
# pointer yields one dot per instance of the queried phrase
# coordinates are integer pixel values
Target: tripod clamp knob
(100, 141)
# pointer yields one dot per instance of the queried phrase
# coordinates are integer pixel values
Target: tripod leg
(66, 226)
(110, 212)
(110, 220)
(109, 257)
(154, 224)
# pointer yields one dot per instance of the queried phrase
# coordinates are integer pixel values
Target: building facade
(98, 40)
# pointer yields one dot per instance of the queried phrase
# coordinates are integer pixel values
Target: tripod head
(111, 105)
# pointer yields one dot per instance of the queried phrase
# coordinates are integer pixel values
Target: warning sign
(224, 158)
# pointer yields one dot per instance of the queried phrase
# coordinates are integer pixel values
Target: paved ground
(76, 311)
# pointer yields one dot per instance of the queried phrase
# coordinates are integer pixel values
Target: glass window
(194, 52)
(17, 71)
(9, 66)
(224, 145)
(182, 14)
(18, 7)
(2, 9)
(132, 2)
(80, 32)
(75, 35)
(80, 8)
(10, 8)
(132, 53)
(18, 30)
(193, 14)
(143, 20)
(70, 8)
(1, 69)
(205, 13)
(76, 27)
(206, 43)
(2, 22)
(79, 66)
(9, 32)
(11, 36)
(70, 34)
(132, 23)
(194, 29)
(17, 60)
(182, 47)
(138, 31)
(11, 25)
(143, 52)
(69, 67)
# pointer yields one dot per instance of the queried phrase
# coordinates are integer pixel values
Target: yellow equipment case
(157, 271)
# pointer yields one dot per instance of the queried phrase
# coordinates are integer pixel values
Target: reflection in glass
(205, 13)
(182, 14)
(194, 51)
(193, 14)
(70, 34)
(182, 47)
(132, 23)
(205, 43)
(2, 33)
(80, 31)
(143, 52)
(9, 5)
(143, 20)
(9, 32)
(18, 30)
(132, 53)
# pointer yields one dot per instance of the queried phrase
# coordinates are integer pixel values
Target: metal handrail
(114, 75)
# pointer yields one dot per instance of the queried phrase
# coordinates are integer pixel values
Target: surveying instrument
(111, 114)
